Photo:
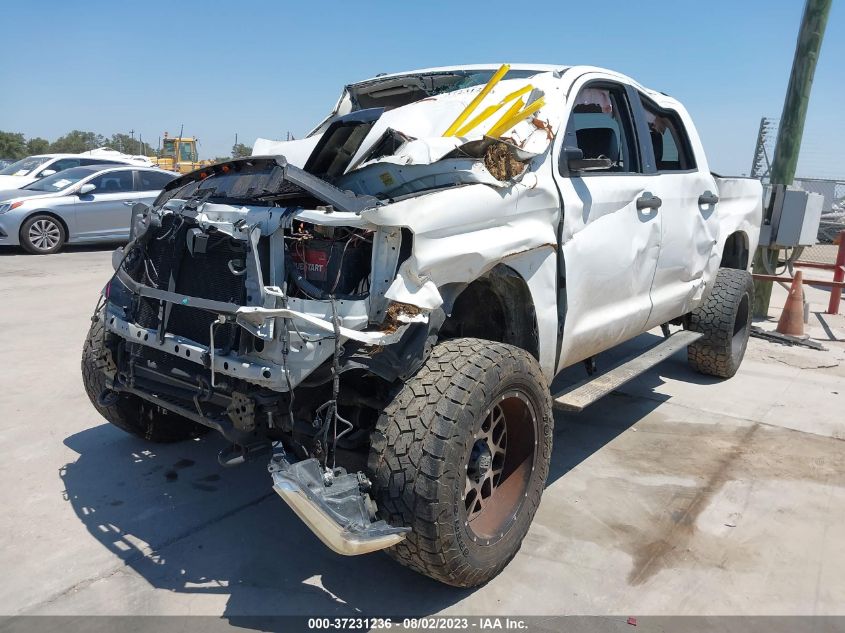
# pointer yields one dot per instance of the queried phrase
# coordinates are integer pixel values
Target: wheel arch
(496, 306)
(735, 251)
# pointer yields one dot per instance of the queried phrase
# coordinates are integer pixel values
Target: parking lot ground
(679, 494)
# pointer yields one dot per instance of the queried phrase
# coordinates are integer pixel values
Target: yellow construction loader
(179, 154)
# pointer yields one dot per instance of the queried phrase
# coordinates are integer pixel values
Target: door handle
(129, 203)
(708, 198)
(648, 202)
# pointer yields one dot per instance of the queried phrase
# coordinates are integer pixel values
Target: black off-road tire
(128, 412)
(426, 440)
(725, 320)
(42, 234)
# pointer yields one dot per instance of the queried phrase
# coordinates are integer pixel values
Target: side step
(582, 394)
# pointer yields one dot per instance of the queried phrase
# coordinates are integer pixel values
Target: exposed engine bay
(224, 309)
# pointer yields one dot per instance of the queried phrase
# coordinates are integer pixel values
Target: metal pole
(791, 128)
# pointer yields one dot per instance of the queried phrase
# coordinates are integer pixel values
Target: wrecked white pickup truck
(381, 307)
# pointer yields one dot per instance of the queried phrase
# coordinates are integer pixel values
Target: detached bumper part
(340, 514)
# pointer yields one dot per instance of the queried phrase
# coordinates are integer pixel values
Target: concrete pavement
(678, 495)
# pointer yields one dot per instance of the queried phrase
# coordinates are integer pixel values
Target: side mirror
(86, 188)
(47, 172)
(575, 160)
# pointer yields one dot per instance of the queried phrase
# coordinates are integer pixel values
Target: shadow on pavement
(579, 435)
(187, 525)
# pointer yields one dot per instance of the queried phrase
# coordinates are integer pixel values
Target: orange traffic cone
(791, 320)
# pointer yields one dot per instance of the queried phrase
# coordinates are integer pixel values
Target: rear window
(669, 140)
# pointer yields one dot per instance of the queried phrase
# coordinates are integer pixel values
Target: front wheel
(725, 321)
(461, 456)
(128, 412)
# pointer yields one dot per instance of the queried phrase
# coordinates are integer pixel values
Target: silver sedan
(77, 205)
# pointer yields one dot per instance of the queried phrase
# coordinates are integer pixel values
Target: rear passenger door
(611, 228)
(689, 227)
(104, 213)
(150, 183)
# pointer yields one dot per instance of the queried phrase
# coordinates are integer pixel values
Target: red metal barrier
(838, 269)
(838, 275)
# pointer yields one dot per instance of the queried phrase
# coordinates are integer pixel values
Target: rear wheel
(461, 456)
(42, 234)
(725, 320)
(128, 412)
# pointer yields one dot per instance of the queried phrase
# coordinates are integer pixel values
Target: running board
(577, 397)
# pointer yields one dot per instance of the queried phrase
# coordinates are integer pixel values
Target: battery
(335, 267)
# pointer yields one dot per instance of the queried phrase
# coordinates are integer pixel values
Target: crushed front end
(286, 306)
(251, 299)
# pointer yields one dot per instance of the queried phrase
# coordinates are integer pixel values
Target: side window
(153, 181)
(601, 127)
(96, 161)
(113, 182)
(669, 139)
(64, 163)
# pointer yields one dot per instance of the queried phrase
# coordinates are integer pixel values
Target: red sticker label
(315, 264)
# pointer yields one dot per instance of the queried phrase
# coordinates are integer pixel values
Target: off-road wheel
(42, 234)
(725, 320)
(128, 412)
(461, 456)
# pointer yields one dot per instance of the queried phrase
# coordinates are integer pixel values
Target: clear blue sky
(262, 68)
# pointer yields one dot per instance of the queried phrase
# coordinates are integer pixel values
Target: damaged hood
(374, 151)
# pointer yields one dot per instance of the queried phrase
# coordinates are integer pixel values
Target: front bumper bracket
(337, 509)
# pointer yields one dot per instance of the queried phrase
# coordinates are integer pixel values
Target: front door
(105, 213)
(611, 231)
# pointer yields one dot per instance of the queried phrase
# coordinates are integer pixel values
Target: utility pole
(791, 127)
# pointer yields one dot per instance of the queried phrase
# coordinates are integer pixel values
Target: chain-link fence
(814, 160)
(832, 220)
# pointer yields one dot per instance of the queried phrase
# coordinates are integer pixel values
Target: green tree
(12, 145)
(128, 145)
(37, 145)
(77, 141)
(239, 150)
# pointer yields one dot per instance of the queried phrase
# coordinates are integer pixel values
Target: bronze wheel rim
(499, 466)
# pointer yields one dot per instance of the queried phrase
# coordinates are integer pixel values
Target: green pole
(791, 127)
